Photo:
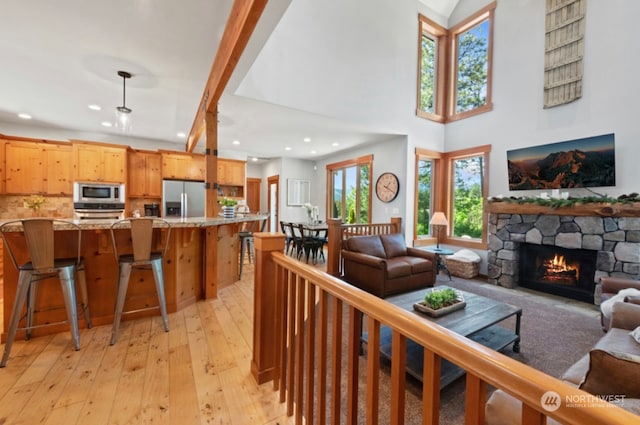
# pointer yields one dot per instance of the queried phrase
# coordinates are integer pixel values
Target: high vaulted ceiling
(59, 57)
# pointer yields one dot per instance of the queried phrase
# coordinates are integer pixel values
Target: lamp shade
(439, 219)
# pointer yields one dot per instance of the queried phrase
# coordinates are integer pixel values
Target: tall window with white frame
(350, 184)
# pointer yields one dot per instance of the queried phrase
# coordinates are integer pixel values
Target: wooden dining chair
(41, 262)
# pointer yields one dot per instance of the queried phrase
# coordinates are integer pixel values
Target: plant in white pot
(228, 207)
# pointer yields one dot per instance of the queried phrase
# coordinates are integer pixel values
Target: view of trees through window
(351, 188)
(424, 198)
(472, 76)
(428, 75)
(468, 175)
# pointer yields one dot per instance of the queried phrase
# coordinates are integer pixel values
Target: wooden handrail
(304, 293)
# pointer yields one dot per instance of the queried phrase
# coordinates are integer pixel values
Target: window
(472, 45)
(350, 183)
(427, 163)
(465, 51)
(468, 187)
(432, 56)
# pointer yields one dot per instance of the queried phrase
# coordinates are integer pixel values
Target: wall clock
(387, 187)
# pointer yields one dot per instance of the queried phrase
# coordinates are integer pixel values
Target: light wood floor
(197, 373)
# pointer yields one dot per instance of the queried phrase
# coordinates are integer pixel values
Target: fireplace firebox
(559, 271)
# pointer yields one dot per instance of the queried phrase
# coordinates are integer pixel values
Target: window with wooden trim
(467, 172)
(454, 71)
(472, 45)
(432, 59)
(427, 165)
(350, 190)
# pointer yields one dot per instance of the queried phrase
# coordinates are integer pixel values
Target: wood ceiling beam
(242, 20)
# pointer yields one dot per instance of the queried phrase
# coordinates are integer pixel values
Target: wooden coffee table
(477, 321)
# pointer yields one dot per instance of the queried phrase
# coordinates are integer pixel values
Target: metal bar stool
(141, 256)
(246, 241)
(42, 264)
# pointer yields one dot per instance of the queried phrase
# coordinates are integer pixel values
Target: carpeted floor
(555, 333)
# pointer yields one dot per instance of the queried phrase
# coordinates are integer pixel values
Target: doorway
(273, 189)
(253, 194)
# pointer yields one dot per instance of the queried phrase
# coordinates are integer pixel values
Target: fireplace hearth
(559, 271)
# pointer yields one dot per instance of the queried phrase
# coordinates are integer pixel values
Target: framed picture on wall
(298, 192)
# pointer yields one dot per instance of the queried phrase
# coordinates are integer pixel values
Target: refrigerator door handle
(185, 213)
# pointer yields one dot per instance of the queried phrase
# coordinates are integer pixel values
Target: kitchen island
(202, 256)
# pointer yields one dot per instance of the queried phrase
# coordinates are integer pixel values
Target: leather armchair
(383, 265)
(610, 287)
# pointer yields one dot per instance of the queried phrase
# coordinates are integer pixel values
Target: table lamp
(438, 220)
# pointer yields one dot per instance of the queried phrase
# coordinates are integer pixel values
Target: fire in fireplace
(560, 271)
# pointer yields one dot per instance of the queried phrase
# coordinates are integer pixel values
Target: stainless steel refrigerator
(182, 198)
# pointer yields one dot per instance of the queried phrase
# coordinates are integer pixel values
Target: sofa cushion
(394, 245)
(371, 245)
(612, 373)
(398, 267)
(418, 265)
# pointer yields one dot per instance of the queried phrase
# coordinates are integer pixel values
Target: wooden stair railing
(298, 337)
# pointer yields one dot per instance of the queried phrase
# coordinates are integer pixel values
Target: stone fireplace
(613, 241)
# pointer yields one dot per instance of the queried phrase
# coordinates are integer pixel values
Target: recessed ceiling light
(94, 107)
(307, 139)
(236, 142)
(288, 148)
(181, 135)
(335, 144)
(254, 159)
(313, 152)
(106, 124)
(24, 116)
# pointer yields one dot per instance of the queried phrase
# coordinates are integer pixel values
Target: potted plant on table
(228, 207)
(438, 302)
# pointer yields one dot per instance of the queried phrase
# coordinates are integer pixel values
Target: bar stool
(246, 241)
(41, 263)
(141, 255)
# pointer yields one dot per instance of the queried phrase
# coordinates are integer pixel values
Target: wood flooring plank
(45, 359)
(22, 356)
(183, 403)
(99, 402)
(221, 356)
(128, 396)
(155, 396)
(209, 391)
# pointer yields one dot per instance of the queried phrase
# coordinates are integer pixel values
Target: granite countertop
(98, 224)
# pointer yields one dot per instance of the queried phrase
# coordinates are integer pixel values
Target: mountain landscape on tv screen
(570, 169)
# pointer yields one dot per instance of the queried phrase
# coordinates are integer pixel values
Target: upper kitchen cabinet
(95, 162)
(183, 166)
(145, 174)
(231, 177)
(38, 168)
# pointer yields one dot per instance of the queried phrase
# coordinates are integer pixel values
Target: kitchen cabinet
(183, 166)
(145, 174)
(231, 178)
(94, 162)
(38, 168)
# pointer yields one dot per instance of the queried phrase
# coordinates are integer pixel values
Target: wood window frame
(437, 185)
(362, 160)
(440, 36)
(447, 193)
(447, 65)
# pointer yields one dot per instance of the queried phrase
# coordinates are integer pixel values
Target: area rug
(555, 333)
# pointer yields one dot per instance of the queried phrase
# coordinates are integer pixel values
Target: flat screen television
(588, 162)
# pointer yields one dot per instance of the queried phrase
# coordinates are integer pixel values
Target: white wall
(610, 89)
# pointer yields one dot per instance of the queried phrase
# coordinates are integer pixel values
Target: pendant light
(123, 118)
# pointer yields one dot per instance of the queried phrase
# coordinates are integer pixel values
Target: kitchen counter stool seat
(41, 264)
(143, 256)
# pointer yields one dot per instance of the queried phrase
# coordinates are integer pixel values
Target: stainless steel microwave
(98, 192)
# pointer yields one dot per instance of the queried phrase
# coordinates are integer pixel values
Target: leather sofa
(611, 286)
(383, 265)
(611, 368)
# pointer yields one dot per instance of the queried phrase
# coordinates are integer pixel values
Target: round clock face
(387, 187)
